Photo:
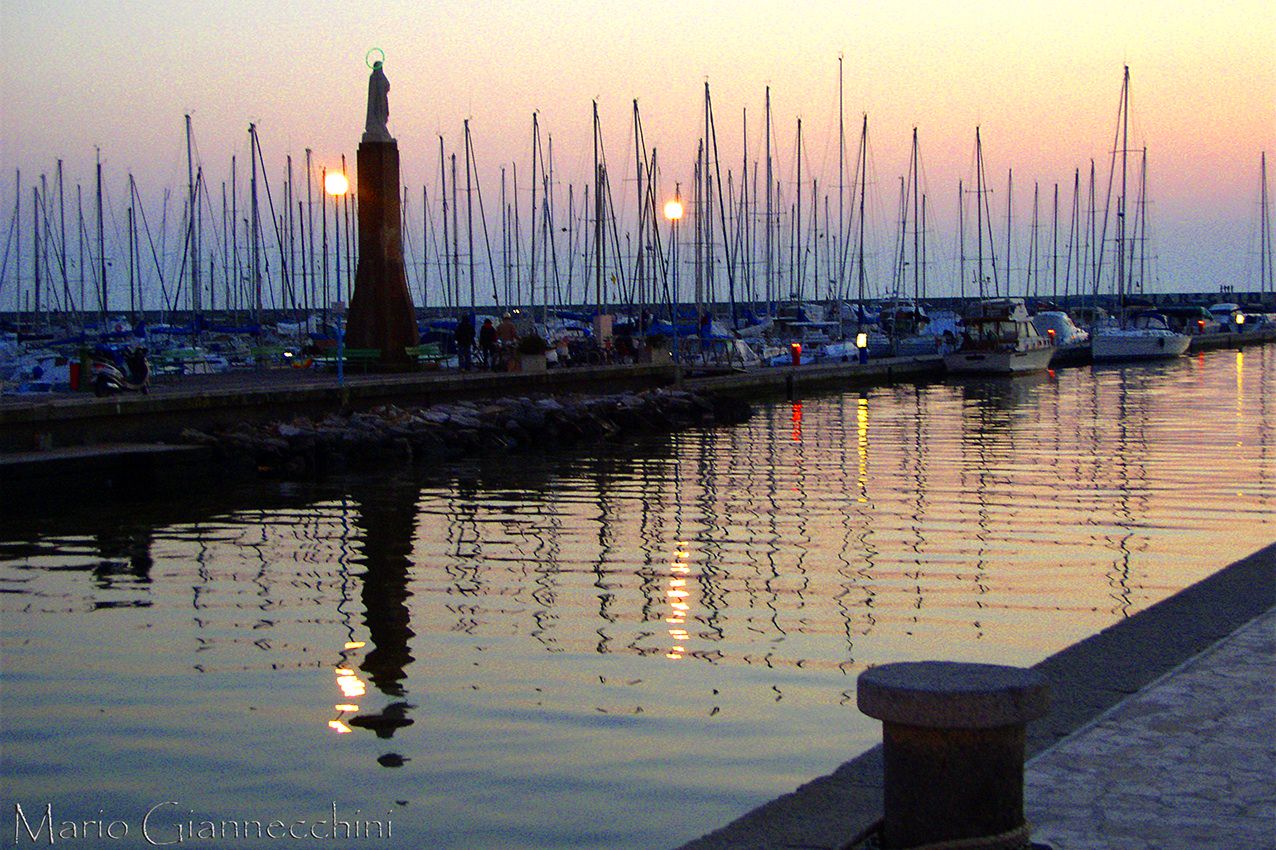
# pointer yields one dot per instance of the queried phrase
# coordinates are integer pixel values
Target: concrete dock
(1159, 736)
(208, 402)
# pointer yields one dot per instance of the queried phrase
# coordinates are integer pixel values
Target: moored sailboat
(997, 336)
(1141, 335)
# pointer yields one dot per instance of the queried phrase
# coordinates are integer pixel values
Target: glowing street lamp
(336, 185)
(673, 212)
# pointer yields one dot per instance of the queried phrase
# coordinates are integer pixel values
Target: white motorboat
(999, 339)
(1072, 344)
(1144, 336)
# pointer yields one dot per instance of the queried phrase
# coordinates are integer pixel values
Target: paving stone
(1187, 762)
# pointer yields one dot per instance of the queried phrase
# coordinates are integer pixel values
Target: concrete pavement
(1186, 763)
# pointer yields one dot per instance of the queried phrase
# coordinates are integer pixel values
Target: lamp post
(336, 185)
(673, 212)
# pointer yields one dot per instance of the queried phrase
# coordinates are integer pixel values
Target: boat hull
(967, 362)
(1138, 345)
(1070, 355)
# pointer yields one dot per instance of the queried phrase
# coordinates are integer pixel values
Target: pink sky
(1042, 80)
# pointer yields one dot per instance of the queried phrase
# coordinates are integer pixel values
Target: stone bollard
(953, 741)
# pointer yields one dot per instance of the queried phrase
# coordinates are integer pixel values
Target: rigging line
(713, 133)
(487, 241)
(622, 283)
(1107, 201)
(8, 244)
(274, 220)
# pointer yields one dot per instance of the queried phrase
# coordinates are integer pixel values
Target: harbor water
(621, 648)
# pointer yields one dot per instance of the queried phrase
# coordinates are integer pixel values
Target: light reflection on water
(620, 650)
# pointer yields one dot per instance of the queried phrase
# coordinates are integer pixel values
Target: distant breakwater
(304, 447)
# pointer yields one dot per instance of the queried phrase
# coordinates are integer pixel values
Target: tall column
(381, 311)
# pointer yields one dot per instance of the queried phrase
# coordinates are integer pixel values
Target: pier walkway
(208, 402)
(1158, 736)
(1187, 762)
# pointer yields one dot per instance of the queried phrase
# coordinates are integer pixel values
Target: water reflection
(654, 613)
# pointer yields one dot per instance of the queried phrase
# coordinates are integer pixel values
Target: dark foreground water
(620, 650)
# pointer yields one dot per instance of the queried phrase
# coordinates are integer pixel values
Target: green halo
(368, 60)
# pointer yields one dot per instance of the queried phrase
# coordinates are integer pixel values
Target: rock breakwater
(304, 447)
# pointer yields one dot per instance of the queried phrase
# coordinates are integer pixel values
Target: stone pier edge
(1088, 679)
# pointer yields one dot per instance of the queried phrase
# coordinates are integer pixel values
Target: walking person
(506, 339)
(465, 342)
(487, 344)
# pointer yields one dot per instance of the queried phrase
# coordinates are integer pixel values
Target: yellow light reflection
(861, 418)
(350, 684)
(675, 595)
(1240, 396)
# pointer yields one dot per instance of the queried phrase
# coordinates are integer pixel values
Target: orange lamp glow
(335, 183)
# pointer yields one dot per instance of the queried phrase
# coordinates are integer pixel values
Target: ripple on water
(539, 649)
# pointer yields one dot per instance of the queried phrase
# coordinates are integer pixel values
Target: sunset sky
(1041, 80)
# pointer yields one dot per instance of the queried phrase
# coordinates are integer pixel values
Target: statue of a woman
(378, 107)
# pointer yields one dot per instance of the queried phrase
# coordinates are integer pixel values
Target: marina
(572, 426)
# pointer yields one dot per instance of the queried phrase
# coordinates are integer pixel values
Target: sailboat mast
(1125, 126)
(17, 228)
(639, 269)
(505, 243)
(456, 236)
(1143, 219)
(1074, 232)
(863, 169)
(310, 225)
(598, 220)
(841, 182)
(35, 249)
(797, 232)
(469, 212)
(1010, 194)
(66, 281)
(979, 209)
(961, 240)
(1054, 247)
(533, 213)
(192, 234)
(132, 253)
(101, 241)
(292, 247)
(447, 256)
(915, 167)
(1265, 241)
(79, 244)
(770, 292)
(1031, 280)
